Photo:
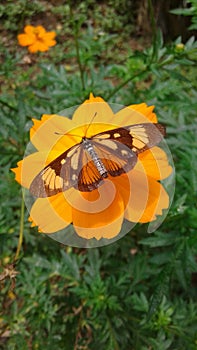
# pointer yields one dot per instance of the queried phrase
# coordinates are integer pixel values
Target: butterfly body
(94, 156)
(85, 165)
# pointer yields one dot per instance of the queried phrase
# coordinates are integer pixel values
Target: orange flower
(100, 214)
(37, 39)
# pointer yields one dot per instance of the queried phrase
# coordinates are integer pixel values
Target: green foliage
(140, 292)
(13, 14)
(190, 9)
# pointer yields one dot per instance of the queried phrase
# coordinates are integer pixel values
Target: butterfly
(85, 165)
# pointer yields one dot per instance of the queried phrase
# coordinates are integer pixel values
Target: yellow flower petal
(122, 184)
(92, 98)
(37, 39)
(25, 172)
(38, 46)
(51, 43)
(17, 172)
(109, 231)
(147, 111)
(92, 111)
(31, 165)
(156, 163)
(26, 40)
(99, 223)
(34, 47)
(158, 200)
(138, 194)
(44, 133)
(38, 123)
(40, 30)
(148, 197)
(135, 114)
(49, 36)
(50, 215)
(29, 29)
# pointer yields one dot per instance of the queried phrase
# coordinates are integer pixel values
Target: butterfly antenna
(58, 133)
(67, 134)
(90, 123)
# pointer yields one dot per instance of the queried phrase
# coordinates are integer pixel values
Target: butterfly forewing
(138, 138)
(59, 175)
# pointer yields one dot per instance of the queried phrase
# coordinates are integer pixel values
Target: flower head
(135, 195)
(180, 47)
(36, 38)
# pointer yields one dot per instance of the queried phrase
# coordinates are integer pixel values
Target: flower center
(38, 35)
(36, 31)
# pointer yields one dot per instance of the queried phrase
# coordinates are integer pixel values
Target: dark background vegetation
(140, 292)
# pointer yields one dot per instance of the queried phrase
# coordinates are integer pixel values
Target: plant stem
(20, 240)
(79, 59)
(76, 40)
(153, 27)
(120, 86)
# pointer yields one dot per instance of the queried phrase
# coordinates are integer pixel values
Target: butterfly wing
(117, 149)
(138, 137)
(59, 175)
(89, 177)
(116, 158)
(73, 168)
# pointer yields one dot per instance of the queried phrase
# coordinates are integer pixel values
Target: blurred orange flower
(36, 38)
(137, 196)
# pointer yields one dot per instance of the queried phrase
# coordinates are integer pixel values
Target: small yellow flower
(37, 39)
(180, 47)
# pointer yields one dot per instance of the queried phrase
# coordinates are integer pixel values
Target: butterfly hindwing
(116, 158)
(89, 178)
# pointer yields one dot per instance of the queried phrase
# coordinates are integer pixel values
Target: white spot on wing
(104, 136)
(109, 143)
(47, 174)
(116, 135)
(66, 183)
(71, 152)
(139, 144)
(51, 182)
(74, 177)
(75, 160)
(58, 182)
(124, 152)
(140, 133)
